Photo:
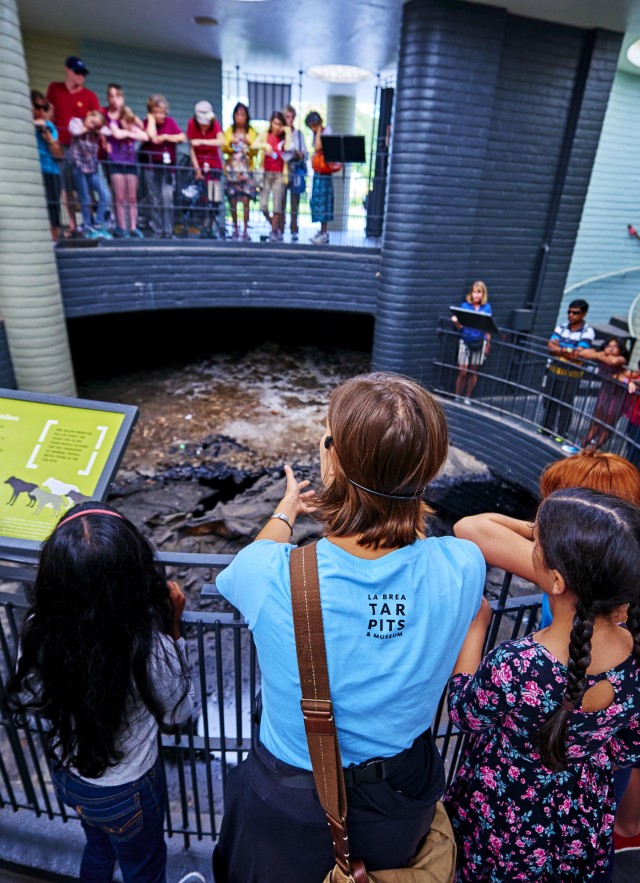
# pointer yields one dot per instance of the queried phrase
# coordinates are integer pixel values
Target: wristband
(282, 517)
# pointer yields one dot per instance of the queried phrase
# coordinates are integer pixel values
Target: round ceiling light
(339, 73)
(633, 53)
(206, 21)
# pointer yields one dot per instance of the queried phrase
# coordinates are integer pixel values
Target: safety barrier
(165, 201)
(226, 679)
(570, 402)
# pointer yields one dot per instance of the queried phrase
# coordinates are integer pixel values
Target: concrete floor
(627, 871)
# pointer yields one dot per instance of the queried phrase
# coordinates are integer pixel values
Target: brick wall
(496, 124)
(117, 279)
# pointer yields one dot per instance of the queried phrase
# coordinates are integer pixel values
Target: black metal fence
(225, 681)
(163, 201)
(570, 402)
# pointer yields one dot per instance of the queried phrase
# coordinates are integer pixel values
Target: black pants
(274, 833)
(563, 388)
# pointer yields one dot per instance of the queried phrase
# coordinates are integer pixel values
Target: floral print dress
(513, 818)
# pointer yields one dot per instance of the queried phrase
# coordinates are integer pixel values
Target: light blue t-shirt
(393, 629)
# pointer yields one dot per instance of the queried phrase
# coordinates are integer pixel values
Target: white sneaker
(320, 239)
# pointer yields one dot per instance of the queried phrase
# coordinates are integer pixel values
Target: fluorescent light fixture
(206, 21)
(339, 73)
(633, 53)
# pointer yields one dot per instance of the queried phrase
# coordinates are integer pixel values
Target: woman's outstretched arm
(280, 529)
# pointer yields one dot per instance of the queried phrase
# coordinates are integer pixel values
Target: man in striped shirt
(563, 373)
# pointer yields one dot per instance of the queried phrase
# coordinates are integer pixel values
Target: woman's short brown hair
(390, 436)
(608, 473)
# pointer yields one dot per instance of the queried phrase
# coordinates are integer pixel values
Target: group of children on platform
(551, 716)
(82, 144)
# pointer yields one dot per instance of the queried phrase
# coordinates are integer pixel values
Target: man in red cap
(70, 99)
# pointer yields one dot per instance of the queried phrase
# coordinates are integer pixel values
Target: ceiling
(285, 36)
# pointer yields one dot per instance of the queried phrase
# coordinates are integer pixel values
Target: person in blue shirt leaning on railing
(474, 345)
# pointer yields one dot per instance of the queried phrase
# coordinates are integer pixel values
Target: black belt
(375, 770)
(370, 771)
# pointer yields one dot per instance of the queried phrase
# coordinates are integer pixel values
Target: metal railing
(170, 201)
(225, 682)
(567, 401)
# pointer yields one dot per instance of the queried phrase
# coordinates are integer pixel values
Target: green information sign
(54, 453)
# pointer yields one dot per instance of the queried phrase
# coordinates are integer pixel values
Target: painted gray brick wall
(496, 124)
(487, 437)
(182, 79)
(115, 279)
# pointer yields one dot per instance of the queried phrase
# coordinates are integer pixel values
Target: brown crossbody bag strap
(317, 710)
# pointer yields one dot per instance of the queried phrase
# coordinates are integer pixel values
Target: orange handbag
(322, 167)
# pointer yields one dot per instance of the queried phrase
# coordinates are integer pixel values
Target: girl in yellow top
(238, 141)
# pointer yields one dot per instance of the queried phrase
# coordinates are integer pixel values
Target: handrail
(175, 200)
(570, 401)
(197, 760)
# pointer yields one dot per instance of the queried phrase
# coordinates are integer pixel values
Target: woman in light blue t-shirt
(396, 606)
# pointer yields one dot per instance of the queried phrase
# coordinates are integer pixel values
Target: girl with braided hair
(551, 713)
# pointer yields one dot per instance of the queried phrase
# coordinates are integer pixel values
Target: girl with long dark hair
(102, 661)
(551, 713)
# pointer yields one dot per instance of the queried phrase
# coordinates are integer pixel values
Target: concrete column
(496, 123)
(30, 299)
(447, 71)
(341, 116)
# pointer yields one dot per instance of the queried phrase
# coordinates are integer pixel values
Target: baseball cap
(204, 112)
(76, 65)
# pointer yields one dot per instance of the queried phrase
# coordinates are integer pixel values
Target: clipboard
(473, 319)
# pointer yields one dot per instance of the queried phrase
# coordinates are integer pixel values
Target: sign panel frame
(44, 440)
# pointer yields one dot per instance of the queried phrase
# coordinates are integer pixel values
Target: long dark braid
(552, 735)
(592, 541)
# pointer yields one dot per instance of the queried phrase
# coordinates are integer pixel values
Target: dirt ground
(204, 467)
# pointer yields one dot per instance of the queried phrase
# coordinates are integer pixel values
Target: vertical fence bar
(180, 757)
(205, 725)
